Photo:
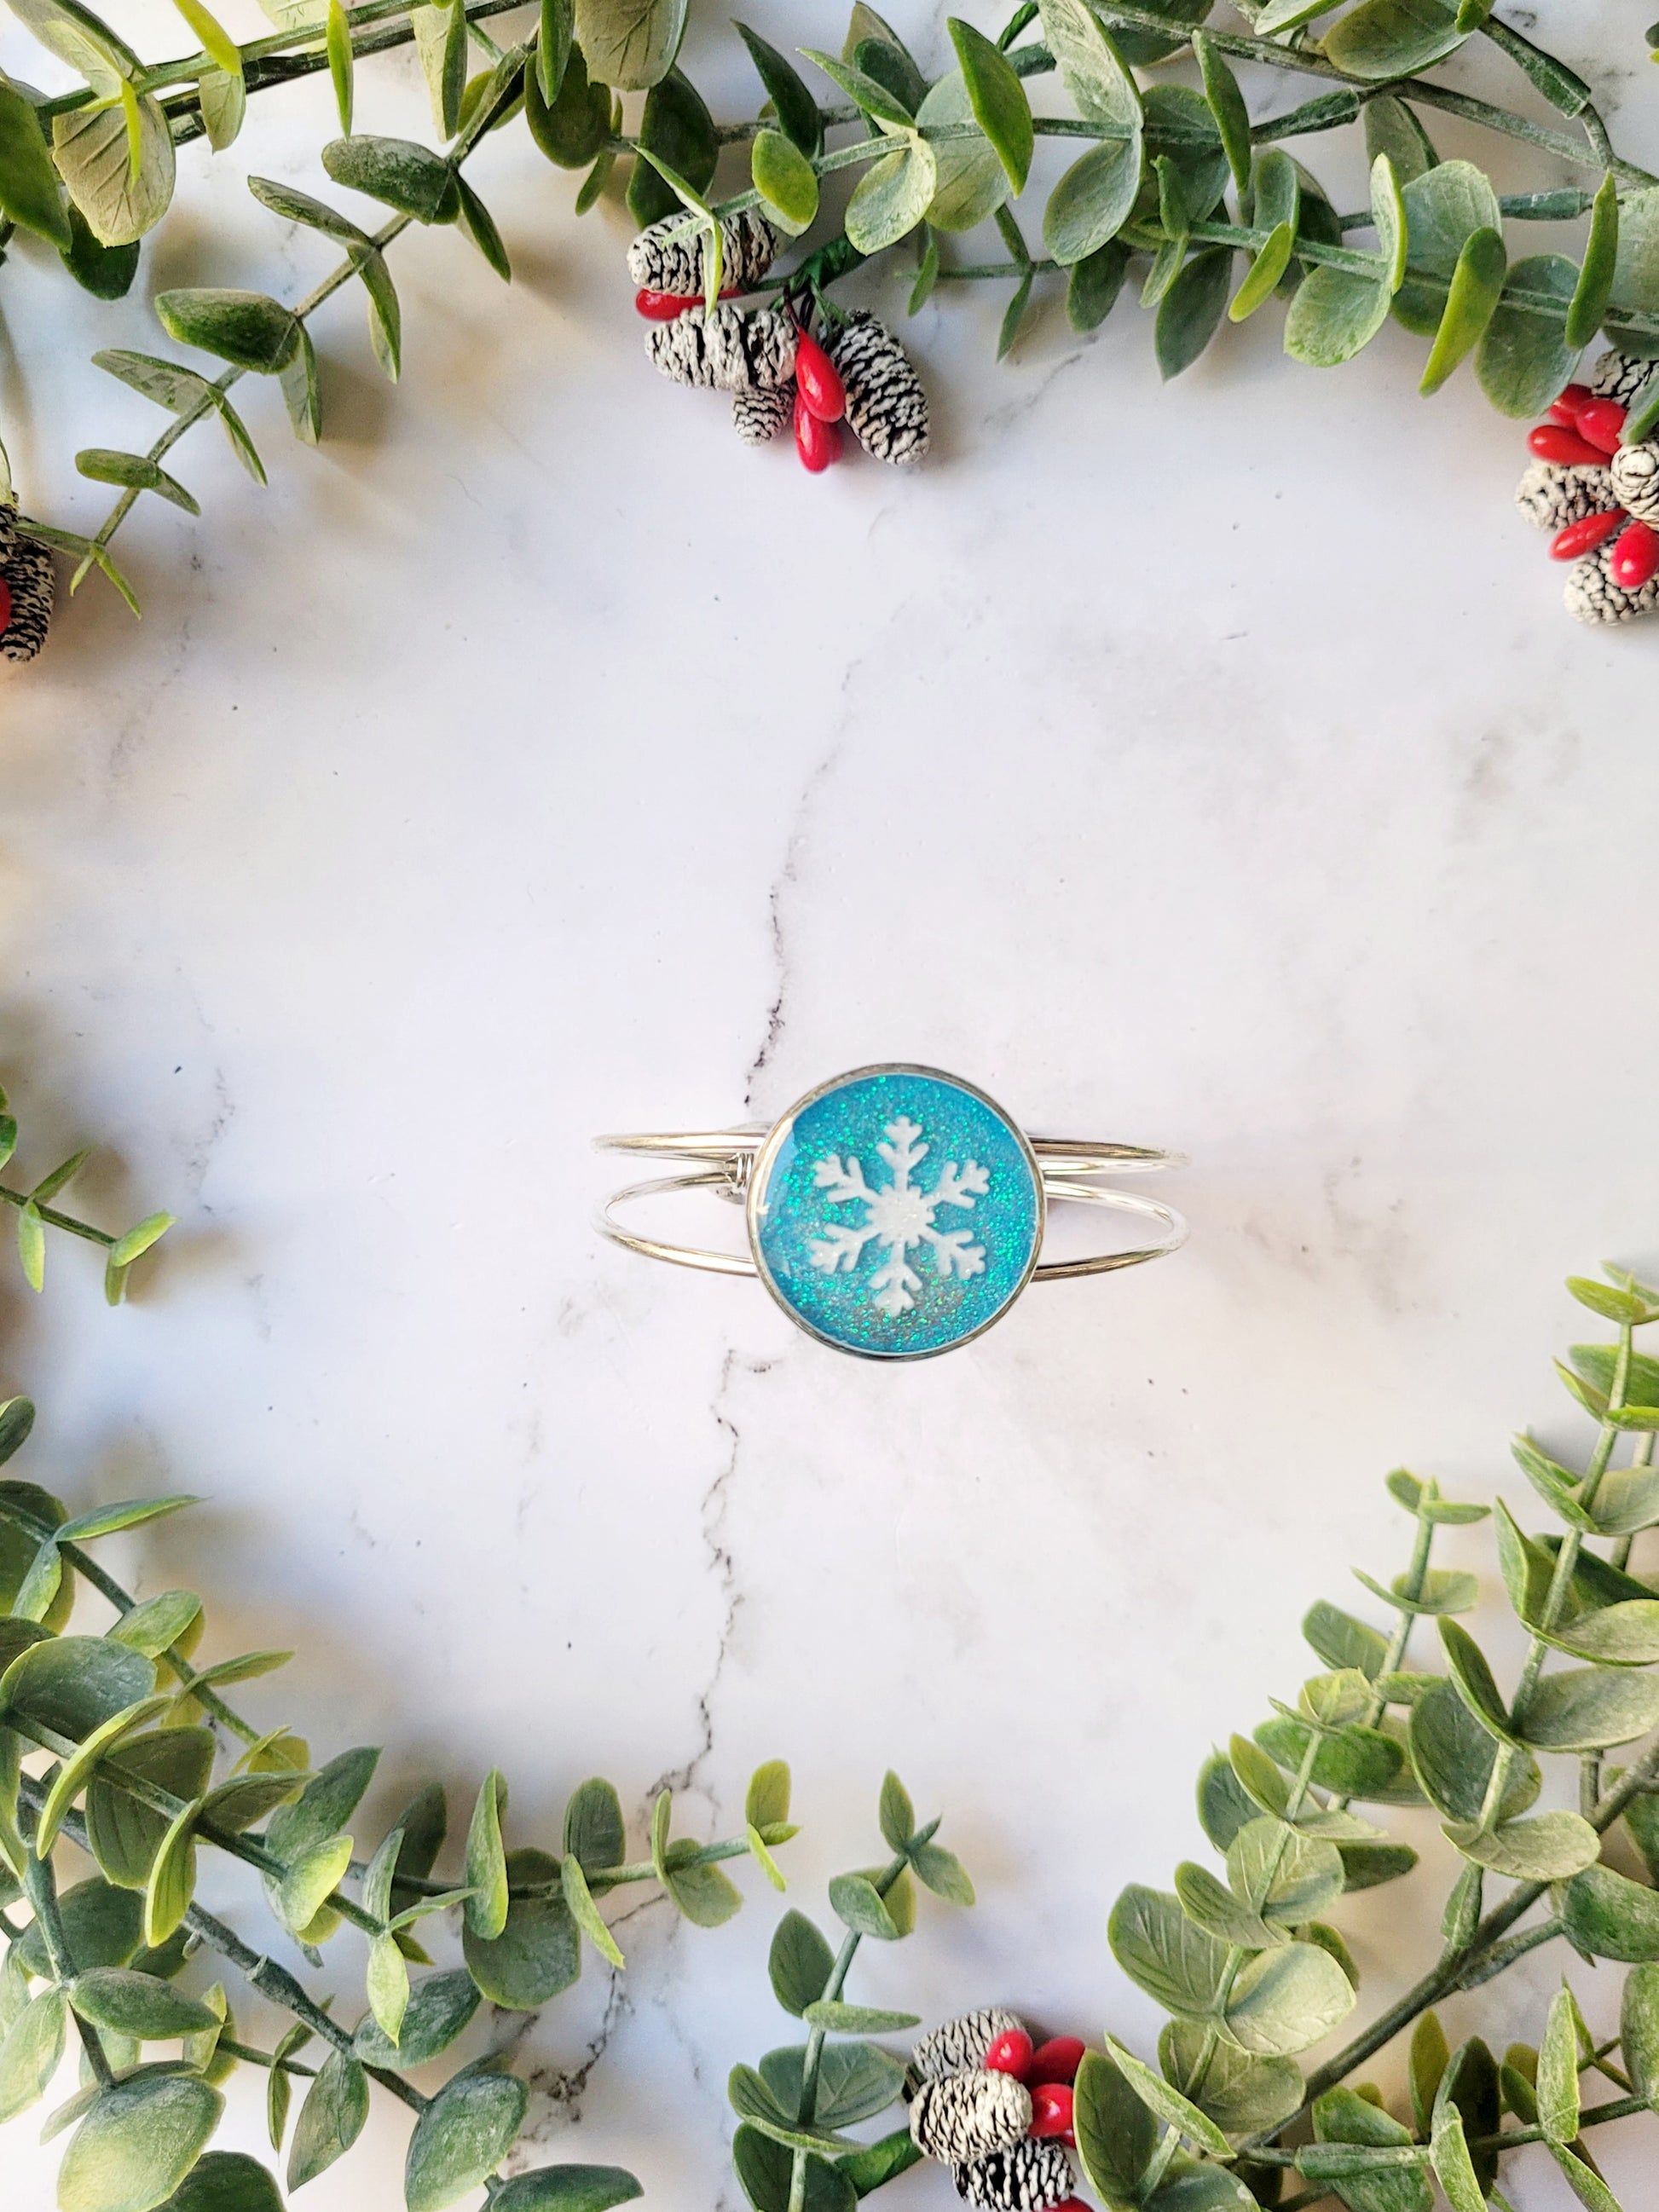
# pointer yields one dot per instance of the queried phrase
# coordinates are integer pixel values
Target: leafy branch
(131, 1727)
(1175, 175)
(36, 1214)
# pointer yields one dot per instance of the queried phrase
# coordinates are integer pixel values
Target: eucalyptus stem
(41, 1889)
(806, 2111)
(54, 1219)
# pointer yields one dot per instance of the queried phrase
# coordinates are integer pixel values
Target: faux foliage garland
(91, 170)
(1250, 1969)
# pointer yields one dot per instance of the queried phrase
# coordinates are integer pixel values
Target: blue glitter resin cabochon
(896, 1213)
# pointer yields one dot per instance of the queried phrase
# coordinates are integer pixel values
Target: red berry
(818, 442)
(1057, 2060)
(1586, 534)
(1566, 409)
(5, 606)
(1051, 2111)
(1564, 447)
(1635, 557)
(1010, 2054)
(818, 380)
(663, 307)
(1600, 423)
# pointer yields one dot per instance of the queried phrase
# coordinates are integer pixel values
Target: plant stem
(54, 1219)
(41, 1890)
(806, 2110)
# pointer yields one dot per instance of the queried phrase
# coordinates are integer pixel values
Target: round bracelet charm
(896, 1211)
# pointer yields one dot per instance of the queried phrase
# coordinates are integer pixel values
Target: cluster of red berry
(1048, 2071)
(1583, 432)
(820, 397)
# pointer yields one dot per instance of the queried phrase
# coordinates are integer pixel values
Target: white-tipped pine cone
(960, 2045)
(964, 2117)
(1619, 376)
(26, 565)
(1591, 594)
(1030, 2177)
(886, 406)
(760, 412)
(1552, 496)
(1633, 472)
(658, 261)
(726, 351)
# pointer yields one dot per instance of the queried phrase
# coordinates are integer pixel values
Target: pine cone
(758, 414)
(886, 406)
(1552, 496)
(1633, 472)
(26, 564)
(1029, 2177)
(1619, 376)
(726, 351)
(658, 262)
(1591, 594)
(960, 2045)
(967, 2115)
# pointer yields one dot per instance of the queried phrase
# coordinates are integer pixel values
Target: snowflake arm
(842, 1185)
(955, 1253)
(903, 1150)
(894, 1284)
(840, 1248)
(961, 1186)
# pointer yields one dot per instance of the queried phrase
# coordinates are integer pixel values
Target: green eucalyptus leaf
(397, 172)
(1093, 284)
(1607, 1915)
(1381, 39)
(32, 2051)
(1452, 1754)
(1192, 311)
(677, 128)
(1092, 200)
(892, 198)
(136, 2005)
(92, 149)
(69, 1685)
(1588, 1708)
(785, 179)
(1240, 2092)
(856, 2080)
(103, 1926)
(440, 2007)
(1167, 2104)
(1000, 104)
(1285, 2000)
(330, 2119)
(536, 1953)
(797, 110)
(1224, 1805)
(765, 2168)
(857, 1903)
(1116, 2133)
(243, 328)
(1178, 1963)
(1090, 66)
(630, 44)
(1335, 315)
(1523, 359)
(1342, 2116)
(1550, 1847)
(1638, 2029)
(970, 182)
(567, 2188)
(1558, 2069)
(139, 2141)
(486, 1908)
(1445, 207)
(1393, 128)
(573, 129)
(799, 1964)
(29, 193)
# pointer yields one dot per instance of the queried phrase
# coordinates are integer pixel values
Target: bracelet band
(841, 1197)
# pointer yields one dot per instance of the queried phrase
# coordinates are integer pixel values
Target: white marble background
(1207, 765)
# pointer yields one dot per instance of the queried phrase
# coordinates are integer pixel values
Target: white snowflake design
(898, 1215)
